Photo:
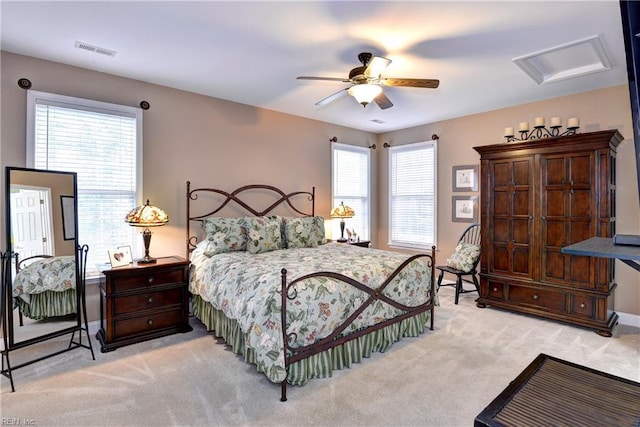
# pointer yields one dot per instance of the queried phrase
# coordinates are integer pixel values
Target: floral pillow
(263, 234)
(307, 232)
(464, 257)
(224, 235)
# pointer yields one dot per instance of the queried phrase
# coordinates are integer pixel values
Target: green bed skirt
(47, 304)
(320, 365)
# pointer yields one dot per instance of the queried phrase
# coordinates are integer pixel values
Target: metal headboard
(281, 198)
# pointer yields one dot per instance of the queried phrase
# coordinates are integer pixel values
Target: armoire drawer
(538, 297)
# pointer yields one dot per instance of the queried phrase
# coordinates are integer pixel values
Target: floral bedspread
(56, 274)
(246, 287)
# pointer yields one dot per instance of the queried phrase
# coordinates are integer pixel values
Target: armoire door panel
(500, 230)
(522, 172)
(554, 234)
(501, 203)
(555, 202)
(555, 171)
(501, 172)
(581, 169)
(580, 269)
(581, 202)
(521, 264)
(521, 231)
(554, 266)
(522, 202)
(500, 259)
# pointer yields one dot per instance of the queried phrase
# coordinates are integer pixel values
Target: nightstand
(143, 301)
(362, 243)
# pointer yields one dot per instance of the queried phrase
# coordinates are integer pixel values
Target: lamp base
(146, 260)
(341, 240)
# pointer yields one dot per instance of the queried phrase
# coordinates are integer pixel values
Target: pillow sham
(263, 234)
(306, 232)
(464, 257)
(224, 235)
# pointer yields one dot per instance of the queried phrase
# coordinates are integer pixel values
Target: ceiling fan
(367, 82)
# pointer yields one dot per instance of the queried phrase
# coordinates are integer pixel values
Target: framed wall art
(465, 178)
(464, 208)
(68, 217)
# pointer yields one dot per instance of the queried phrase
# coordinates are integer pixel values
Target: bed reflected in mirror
(41, 228)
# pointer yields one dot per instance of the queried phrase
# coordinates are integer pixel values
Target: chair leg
(475, 282)
(439, 280)
(458, 287)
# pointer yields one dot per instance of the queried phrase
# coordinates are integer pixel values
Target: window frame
(336, 199)
(412, 147)
(38, 97)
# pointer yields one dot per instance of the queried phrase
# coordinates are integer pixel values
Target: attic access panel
(566, 61)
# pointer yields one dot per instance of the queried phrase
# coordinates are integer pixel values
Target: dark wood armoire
(536, 197)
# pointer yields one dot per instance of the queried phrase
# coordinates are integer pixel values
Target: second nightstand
(363, 243)
(143, 301)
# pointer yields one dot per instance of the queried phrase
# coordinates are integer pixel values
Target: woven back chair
(463, 262)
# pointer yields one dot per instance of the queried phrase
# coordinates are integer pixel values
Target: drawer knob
(495, 289)
(149, 300)
(582, 305)
(535, 297)
(150, 280)
(150, 322)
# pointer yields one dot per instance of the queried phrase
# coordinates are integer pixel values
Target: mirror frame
(8, 316)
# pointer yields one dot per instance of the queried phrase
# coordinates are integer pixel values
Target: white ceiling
(252, 52)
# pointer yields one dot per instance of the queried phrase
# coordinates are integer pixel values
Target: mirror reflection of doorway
(31, 219)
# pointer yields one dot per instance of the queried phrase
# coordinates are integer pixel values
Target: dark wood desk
(604, 248)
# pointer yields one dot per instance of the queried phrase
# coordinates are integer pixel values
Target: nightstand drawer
(147, 300)
(146, 324)
(146, 279)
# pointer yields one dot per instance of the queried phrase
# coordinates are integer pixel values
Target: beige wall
(598, 110)
(210, 141)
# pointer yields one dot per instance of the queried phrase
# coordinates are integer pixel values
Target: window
(102, 143)
(350, 184)
(412, 195)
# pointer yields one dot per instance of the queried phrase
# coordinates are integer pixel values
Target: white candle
(573, 123)
(523, 126)
(508, 131)
(556, 122)
(538, 122)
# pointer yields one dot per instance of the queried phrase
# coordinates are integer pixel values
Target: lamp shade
(342, 211)
(364, 93)
(147, 216)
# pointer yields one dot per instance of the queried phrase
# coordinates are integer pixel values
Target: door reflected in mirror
(41, 230)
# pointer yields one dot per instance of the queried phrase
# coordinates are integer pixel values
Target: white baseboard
(629, 319)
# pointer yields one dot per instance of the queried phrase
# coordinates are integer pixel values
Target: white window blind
(102, 143)
(350, 182)
(412, 193)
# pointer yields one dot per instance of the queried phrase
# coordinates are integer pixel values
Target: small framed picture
(120, 256)
(464, 208)
(465, 178)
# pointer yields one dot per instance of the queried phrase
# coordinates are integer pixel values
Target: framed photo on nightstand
(120, 257)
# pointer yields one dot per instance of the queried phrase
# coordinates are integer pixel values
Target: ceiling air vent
(95, 49)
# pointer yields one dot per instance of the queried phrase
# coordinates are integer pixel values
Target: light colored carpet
(444, 377)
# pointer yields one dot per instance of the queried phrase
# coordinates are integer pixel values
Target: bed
(45, 286)
(286, 300)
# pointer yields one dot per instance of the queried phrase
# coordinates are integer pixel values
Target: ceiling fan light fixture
(365, 93)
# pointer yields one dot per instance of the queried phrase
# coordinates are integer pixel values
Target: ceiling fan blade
(425, 83)
(376, 66)
(382, 101)
(333, 79)
(331, 98)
